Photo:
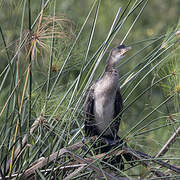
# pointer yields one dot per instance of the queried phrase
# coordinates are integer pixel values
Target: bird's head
(118, 53)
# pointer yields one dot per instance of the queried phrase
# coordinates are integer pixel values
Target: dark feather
(90, 124)
(118, 106)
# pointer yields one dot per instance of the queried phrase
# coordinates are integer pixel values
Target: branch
(85, 163)
(170, 142)
(142, 156)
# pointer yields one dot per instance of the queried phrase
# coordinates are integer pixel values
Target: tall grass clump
(50, 64)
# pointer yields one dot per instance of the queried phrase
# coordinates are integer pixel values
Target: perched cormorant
(104, 102)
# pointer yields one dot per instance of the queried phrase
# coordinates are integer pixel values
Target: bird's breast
(104, 111)
(105, 93)
(107, 86)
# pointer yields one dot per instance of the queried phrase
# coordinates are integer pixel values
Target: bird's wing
(118, 106)
(90, 124)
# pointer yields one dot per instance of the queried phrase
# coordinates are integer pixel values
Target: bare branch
(75, 172)
(170, 142)
(143, 157)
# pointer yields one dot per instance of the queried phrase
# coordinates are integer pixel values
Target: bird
(104, 103)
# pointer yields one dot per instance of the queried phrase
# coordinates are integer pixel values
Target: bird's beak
(125, 50)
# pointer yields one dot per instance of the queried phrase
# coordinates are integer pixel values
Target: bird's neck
(110, 68)
(112, 73)
(111, 65)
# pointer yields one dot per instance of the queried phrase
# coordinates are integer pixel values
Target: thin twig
(143, 156)
(93, 167)
(170, 142)
(75, 172)
(42, 162)
(88, 162)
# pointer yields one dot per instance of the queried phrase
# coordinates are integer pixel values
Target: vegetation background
(50, 53)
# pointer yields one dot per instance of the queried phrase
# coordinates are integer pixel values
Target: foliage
(49, 60)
